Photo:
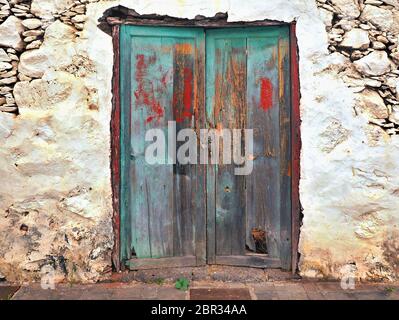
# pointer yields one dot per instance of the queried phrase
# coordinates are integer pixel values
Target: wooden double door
(175, 214)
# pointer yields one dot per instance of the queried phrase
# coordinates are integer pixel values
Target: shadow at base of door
(205, 273)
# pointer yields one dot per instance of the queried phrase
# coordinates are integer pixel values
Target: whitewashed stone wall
(55, 103)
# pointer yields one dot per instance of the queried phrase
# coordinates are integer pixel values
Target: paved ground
(277, 290)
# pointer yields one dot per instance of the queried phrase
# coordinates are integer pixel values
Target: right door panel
(248, 87)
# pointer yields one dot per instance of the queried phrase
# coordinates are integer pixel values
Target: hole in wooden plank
(259, 237)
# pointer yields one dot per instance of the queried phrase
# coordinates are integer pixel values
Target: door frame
(115, 124)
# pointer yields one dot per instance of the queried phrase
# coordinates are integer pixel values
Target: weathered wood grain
(164, 85)
(210, 169)
(260, 102)
(199, 198)
(174, 262)
(207, 212)
(295, 146)
(263, 185)
(115, 150)
(125, 100)
(119, 15)
(183, 113)
(249, 261)
(229, 112)
(151, 184)
(285, 151)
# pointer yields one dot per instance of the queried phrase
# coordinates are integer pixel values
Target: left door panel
(163, 206)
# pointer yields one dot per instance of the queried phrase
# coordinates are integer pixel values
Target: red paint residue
(157, 109)
(187, 97)
(188, 92)
(144, 96)
(164, 79)
(266, 94)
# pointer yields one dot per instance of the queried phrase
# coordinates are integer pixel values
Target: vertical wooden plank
(199, 199)
(226, 107)
(263, 185)
(285, 146)
(210, 169)
(183, 113)
(230, 113)
(295, 145)
(115, 150)
(125, 99)
(223, 180)
(161, 216)
(140, 202)
(152, 185)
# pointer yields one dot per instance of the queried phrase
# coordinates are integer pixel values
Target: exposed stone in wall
(22, 26)
(55, 212)
(13, 41)
(363, 43)
(366, 32)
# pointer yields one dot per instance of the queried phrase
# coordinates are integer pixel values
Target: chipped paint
(142, 94)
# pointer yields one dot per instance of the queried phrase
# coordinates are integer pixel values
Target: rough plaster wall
(55, 200)
(350, 192)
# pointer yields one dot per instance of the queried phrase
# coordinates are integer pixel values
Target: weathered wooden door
(248, 86)
(163, 205)
(185, 215)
